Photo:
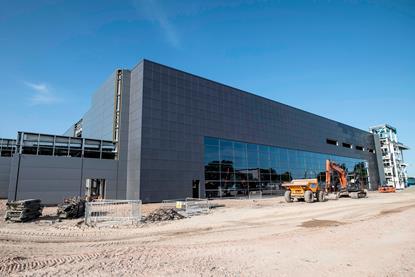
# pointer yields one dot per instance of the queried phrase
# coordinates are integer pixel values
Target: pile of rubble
(23, 210)
(71, 208)
(163, 215)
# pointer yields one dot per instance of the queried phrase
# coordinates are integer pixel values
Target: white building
(392, 156)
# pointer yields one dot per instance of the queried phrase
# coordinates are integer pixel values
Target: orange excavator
(354, 188)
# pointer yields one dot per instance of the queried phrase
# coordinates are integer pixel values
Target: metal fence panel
(112, 212)
(196, 206)
(172, 203)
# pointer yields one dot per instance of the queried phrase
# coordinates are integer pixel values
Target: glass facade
(234, 168)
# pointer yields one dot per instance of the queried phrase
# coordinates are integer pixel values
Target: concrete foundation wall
(4, 176)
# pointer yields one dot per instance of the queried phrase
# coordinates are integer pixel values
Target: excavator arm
(353, 192)
(330, 167)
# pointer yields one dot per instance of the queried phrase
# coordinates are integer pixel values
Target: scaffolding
(392, 156)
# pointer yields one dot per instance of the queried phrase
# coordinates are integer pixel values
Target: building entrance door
(94, 189)
(195, 187)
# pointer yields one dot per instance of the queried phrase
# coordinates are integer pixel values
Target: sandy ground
(366, 237)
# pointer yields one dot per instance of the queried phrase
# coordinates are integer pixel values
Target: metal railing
(57, 145)
(112, 212)
(7, 147)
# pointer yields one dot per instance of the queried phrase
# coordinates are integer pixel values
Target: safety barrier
(188, 206)
(172, 203)
(195, 206)
(112, 212)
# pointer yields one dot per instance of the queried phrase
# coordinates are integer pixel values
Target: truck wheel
(321, 197)
(308, 196)
(287, 196)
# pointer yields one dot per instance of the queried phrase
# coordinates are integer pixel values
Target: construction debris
(23, 210)
(163, 215)
(71, 208)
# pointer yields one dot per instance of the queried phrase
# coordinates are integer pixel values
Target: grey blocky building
(178, 135)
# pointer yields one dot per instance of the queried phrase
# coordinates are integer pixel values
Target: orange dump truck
(304, 189)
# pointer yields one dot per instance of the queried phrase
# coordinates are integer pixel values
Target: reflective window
(234, 168)
(240, 156)
(252, 154)
(226, 151)
(211, 154)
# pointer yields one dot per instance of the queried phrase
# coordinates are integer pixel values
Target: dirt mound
(397, 210)
(163, 215)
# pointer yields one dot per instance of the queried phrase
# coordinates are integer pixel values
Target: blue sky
(352, 61)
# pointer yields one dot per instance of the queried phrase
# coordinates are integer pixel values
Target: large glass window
(234, 168)
(252, 153)
(240, 158)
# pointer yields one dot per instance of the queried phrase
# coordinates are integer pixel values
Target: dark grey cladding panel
(5, 164)
(98, 120)
(179, 109)
(134, 133)
(48, 178)
(52, 178)
(13, 175)
(123, 137)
